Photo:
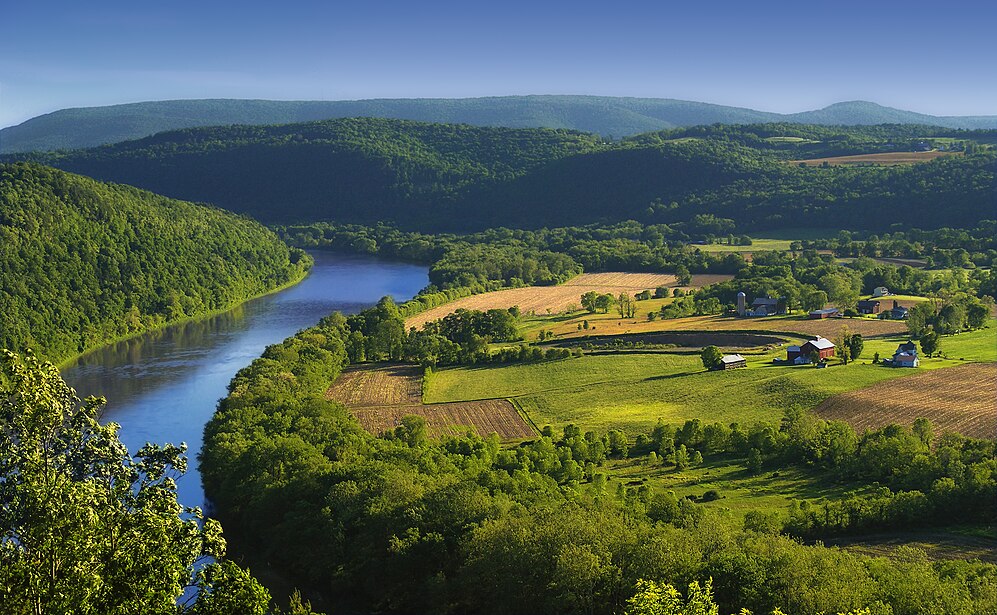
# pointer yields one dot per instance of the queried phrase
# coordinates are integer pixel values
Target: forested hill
(86, 262)
(604, 115)
(458, 177)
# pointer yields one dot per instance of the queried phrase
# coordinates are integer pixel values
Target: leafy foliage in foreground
(86, 527)
(403, 524)
(86, 262)
(459, 177)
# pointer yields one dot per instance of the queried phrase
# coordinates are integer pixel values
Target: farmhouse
(868, 306)
(800, 355)
(898, 312)
(880, 291)
(732, 361)
(905, 356)
(825, 313)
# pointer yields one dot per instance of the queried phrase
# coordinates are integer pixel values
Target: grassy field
(757, 245)
(632, 391)
(979, 346)
(740, 491)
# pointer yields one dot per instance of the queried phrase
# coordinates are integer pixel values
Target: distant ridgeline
(458, 177)
(604, 115)
(84, 262)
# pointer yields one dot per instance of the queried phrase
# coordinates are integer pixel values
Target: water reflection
(163, 386)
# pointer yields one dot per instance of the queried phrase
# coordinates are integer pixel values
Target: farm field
(612, 324)
(757, 245)
(555, 299)
(888, 158)
(631, 391)
(955, 399)
(740, 491)
(379, 396)
(979, 346)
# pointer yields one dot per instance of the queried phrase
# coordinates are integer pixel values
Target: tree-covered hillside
(459, 177)
(86, 262)
(605, 115)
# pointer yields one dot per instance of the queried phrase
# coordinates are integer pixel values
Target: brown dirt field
(484, 417)
(558, 298)
(379, 396)
(384, 385)
(889, 158)
(828, 328)
(961, 399)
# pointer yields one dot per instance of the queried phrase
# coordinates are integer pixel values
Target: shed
(732, 361)
(825, 313)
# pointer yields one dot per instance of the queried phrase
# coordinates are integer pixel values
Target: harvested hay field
(379, 396)
(828, 328)
(888, 158)
(960, 399)
(685, 339)
(540, 299)
(484, 417)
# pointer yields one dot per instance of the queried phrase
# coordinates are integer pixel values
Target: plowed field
(558, 298)
(961, 399)
(888, 158)
(379, 396)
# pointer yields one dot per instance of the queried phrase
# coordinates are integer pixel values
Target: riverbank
(63, 364)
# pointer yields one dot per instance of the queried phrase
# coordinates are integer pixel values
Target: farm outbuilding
(825, 313)
(868, 306)
(732, 361)
(880, 291)
(905, 356)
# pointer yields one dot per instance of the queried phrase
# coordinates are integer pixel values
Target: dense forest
(605, 115)
(458, 177)
(86, 262)
(401, 523)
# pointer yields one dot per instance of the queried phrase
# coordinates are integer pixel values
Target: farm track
(540, 299)
(379, 396)
(960, 399)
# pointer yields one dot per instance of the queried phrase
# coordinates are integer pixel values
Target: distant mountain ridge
(604, 115)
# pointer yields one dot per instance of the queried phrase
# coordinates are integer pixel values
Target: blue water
(164, 386)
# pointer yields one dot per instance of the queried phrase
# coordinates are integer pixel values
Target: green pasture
(631, 391)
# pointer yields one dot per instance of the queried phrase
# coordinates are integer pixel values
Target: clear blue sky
(937, 57)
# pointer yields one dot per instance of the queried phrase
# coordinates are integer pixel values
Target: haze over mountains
(607, 116)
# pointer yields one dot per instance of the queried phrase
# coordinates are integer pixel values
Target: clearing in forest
(887, 158)
(541, 299)
(957, 399)
(611, 324)
(379, 396)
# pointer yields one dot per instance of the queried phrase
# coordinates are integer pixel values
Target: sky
(938, 58)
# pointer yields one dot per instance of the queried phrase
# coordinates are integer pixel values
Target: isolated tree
(683, 276)
(589, 301)
(842, 345)
(603, 302)
(754, 462)
(930, 342)
(711, 357)
(87, 528)
(855, 344)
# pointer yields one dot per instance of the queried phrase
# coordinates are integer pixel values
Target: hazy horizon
(782, 57)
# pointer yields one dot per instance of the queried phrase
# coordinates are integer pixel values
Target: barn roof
(732, 358)
(820, 343)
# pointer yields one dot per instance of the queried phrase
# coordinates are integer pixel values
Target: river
(163, 386)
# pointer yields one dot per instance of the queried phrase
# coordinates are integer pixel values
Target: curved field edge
(379, 396)
(961, 399)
